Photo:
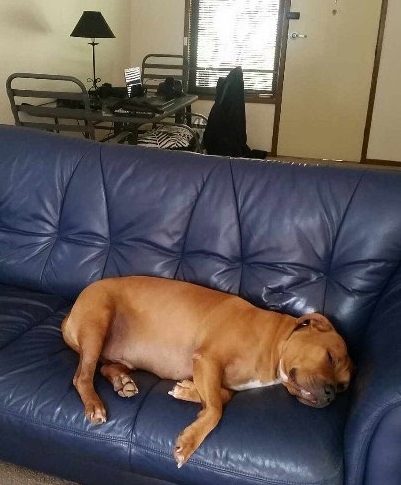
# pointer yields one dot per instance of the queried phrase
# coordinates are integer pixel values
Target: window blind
(229, 33)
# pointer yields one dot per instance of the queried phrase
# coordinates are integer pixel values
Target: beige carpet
(16, 475)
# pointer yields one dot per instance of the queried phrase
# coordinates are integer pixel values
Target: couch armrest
(373, 431)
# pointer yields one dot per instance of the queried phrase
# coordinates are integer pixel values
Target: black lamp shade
(92, 25)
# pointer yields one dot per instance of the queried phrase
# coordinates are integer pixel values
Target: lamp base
(94, 80)
(94, 88)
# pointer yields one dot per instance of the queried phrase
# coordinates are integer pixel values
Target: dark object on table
(136, 91)
(170, 88)
(106, 90)
(153, 104)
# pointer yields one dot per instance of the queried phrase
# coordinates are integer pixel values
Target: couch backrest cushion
(292, 237)
(318, 238)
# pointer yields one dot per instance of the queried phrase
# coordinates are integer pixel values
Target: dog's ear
(316, 320)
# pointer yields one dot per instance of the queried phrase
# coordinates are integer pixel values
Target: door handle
(296, 35)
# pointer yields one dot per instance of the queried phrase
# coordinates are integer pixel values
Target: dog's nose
(330, 392)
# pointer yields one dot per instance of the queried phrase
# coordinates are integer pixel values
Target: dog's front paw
(95, 412)
(186, 391)
(184, 448)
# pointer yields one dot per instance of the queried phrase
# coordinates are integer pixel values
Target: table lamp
(92, 25)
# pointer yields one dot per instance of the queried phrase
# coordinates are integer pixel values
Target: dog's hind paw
(125, 386)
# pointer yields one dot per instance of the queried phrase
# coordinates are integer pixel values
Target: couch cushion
(265, 436)
(53, 236)
(38, 401)
(20, 310)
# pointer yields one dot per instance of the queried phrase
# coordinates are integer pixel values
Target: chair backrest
(43, 110)
(156, 67)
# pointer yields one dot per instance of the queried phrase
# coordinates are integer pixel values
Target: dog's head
(315, 364)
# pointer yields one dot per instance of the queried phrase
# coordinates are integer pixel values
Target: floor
(16, 475)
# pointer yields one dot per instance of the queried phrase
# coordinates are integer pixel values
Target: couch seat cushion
(38, 402)
(265, 436)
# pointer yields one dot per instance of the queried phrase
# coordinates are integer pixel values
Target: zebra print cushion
(167, 137)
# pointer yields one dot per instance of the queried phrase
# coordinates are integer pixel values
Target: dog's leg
(119, 376)
(90, 343)
(186, 391)
(207, 375)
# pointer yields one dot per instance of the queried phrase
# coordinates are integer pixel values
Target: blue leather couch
(292, 237)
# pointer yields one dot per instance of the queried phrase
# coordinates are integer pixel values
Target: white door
(327, 78)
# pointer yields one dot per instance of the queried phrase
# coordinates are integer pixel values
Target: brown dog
(213, 342)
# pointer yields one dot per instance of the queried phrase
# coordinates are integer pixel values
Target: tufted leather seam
(145, 242)
(190, 219)
(36, 324)
(78, 242)
(211, 254)
(239, 226)
(28, 233)
(107, 213)
(61, 211)
(352, 290)
(302, 284)
(280, 264)
(209, 466)
(373, 423)
(336, 238)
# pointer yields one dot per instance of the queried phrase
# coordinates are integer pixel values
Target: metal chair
(55, 109)
(184, 132)
(156, 67)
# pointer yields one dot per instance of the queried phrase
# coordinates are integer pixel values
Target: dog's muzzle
(317, 398)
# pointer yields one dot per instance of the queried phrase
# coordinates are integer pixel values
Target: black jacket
(225, 133)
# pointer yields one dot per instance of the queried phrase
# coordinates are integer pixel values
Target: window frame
(190, 50)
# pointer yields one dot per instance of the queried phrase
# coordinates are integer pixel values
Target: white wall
(385, 133)
(158, 26)
(35, 37)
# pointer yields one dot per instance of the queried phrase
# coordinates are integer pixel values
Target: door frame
(372, 95)
(283, 34)
(375, 75)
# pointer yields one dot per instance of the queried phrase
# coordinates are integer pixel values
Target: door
(327, 78)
